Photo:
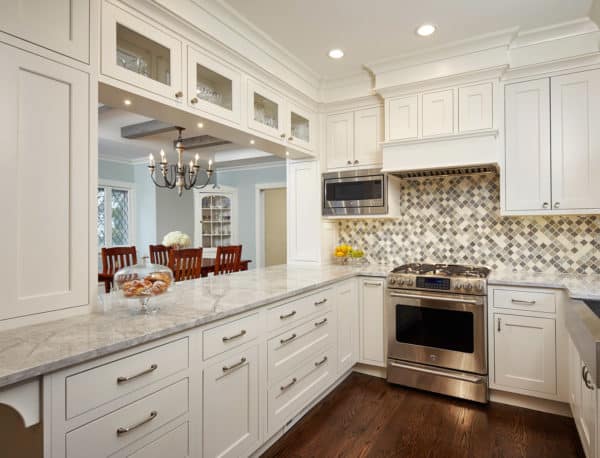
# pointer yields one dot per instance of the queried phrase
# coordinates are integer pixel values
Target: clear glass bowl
(148, 285)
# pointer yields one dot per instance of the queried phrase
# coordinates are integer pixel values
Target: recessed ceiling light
(252, 142)
(127, 102)
(200, 125)
(336, 53)
(287, 153)
(426, 29)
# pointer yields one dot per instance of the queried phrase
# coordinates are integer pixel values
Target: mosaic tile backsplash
(457, 220)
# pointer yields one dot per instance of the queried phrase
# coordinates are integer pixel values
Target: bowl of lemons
(346, 254)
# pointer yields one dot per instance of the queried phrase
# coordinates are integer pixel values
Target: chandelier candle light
(178, 175)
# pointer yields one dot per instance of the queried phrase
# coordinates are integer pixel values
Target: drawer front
(115, 379)
(533, 301)
(128, 424)
(289, 349)
(173, 443)
(230, 335)
(295, 311)
(289, 396)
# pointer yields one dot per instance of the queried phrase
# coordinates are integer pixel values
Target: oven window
(437, 328)
(355, 190)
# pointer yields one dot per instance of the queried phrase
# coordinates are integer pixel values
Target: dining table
(208, 266)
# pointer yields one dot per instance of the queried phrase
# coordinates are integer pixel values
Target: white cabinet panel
(266, 111)
(61, 25)
(527, 160)
(231, 413)
(44, 142)
(340, 140)
(175, 442)
(475, 107)
(525, 353)
(576, 140)
(371, 319)
(438, 113)
(401, 116)
(367, 136)
(301, 124)
(346, 298)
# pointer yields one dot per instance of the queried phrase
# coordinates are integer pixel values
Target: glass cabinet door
(216, 220)
(213, 86)
(141, 54)
(301, 124)
(265, 111)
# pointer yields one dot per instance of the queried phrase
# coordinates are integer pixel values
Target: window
(115, 222)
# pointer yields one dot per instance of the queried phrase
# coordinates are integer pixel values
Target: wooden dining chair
(186, 263)
(228, 259)
(114, 259)
(159, 254)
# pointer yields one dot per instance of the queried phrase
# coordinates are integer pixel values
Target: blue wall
(109, 170)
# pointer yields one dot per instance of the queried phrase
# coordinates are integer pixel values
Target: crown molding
(264, 165)
(554, 32)
(355, 103)
(352, 86)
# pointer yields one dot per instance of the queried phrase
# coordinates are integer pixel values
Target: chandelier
(180, 175)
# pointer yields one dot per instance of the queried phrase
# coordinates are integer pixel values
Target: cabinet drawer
(289, 396)
(174, 442)
(230, 335)
(295, 311)
(118, 378)
(122, 427)
(289, 349)
(533, 301)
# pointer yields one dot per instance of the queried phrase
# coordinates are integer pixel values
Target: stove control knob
(469, 286)
(479, 287)
(392, 281)
(458, 285)
(409, 282)
(400, 282)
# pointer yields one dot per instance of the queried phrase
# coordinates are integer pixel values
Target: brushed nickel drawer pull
(126, 429)
(289, 385)
(584, 375)
(234, 366)
(320, 363)
(519, 301)
(289, 339)
(321, 323)
(499, 324)
(124, 379)
(321, 302)
(371, 283)
(291, 314)
(240, 334)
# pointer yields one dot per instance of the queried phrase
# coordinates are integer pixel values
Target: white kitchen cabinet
(301, 124)
(44, 132)
(266, 111)
(63, 27)
(303, 212)
(367, 137)
(371, 319)
(437, 113)
(575, 140)
(231, 409)
(527, 156)
(401, 114)
(169, 441)
(215, 218)
(138, 52)
(525, 353)
(475, 107)
(340, 140)
(213, 86)
(346, 299)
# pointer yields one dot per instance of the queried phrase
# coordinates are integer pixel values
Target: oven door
(354, 195)
(438, 330)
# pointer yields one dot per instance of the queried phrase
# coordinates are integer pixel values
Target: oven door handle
(461, 377)
(443, 299)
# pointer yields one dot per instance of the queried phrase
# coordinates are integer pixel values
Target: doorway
(271, 224)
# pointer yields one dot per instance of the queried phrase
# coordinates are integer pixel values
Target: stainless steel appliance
(437, 329)
(355, 192)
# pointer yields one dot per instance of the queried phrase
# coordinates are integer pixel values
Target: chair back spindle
(228, 259)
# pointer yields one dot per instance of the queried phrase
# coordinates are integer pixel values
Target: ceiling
(381, 29)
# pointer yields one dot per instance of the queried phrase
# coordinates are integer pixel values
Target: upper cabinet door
(527, 157)
(44, 127)
(475, 107)
(266, 111)
(61, 26)
(340, 140)
(367, 137)
(213, 87)
(438, 113)
(301, 124)
(576, 141)
(139, 53)
(401, 118)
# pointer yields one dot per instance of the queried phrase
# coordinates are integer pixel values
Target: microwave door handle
(444, 299)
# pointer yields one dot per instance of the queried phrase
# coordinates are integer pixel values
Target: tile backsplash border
(457, 220)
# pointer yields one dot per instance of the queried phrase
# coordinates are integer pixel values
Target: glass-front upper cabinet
(266, 111)
(215, 218)
(301, 124)
(140, 53)
(213, 86)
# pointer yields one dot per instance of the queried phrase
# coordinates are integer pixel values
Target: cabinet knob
(349, 162)
(545, 205)
(355, 161)
(194, 101)
(556, 204)
(290, 138)
(282, 135)
(179, 94)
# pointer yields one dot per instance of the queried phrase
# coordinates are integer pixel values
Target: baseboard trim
(528, 402)
(375, 371)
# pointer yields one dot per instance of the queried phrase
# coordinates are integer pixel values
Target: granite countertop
(34, 350)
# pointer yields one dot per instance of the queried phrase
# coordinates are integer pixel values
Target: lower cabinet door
(525, 353)
(372, 349)
(588, 411)
(231, 413)
(348, 333)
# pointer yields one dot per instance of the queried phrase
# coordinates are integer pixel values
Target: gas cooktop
(452, 278)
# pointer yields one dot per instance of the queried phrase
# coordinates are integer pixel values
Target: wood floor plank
(367, 417)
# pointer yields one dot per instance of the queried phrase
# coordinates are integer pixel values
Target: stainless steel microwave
(355, 192)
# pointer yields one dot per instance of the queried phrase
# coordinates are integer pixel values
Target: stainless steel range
(437, 329)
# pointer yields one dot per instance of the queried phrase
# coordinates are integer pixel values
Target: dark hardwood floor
(367, 417)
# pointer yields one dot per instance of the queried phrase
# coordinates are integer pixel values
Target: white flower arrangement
(177, 239)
